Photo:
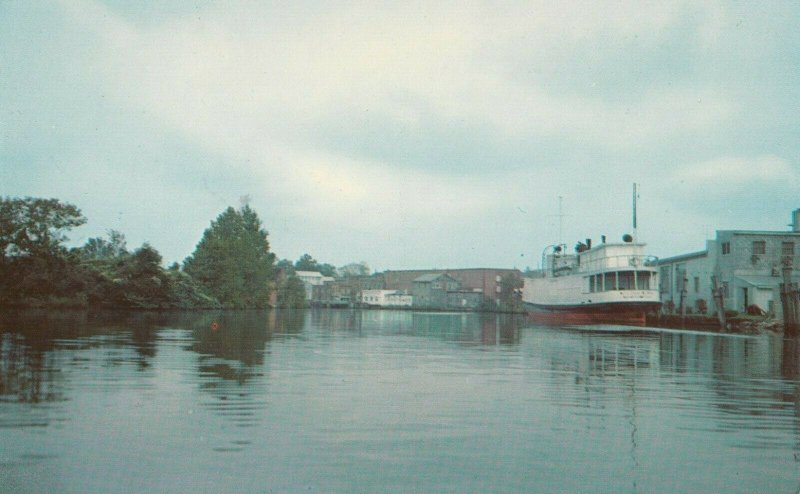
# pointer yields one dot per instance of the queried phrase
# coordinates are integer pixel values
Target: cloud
(226, 81)
(446, 119)
(735, 171)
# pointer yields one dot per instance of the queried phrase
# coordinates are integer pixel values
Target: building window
(787, 248)
(726, 248)
(696, 284)
(759, 247)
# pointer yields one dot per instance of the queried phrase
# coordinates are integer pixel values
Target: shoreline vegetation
(231, 268)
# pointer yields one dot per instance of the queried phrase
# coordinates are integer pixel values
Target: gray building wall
(432, 293)
(692, 272)
(748, 264)
(464, 299)
(753, 275)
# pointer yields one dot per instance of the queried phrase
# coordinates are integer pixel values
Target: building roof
(683, 257)
(787, 233)
(308, 273)
(759, 281)
(427, 278)
(448, 270)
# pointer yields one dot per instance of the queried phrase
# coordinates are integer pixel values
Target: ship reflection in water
(385, 401)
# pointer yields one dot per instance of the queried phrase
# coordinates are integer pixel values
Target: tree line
(231, 266)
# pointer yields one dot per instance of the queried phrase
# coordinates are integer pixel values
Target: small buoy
(214, 326)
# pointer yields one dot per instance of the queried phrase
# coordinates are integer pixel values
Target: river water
(383, 401)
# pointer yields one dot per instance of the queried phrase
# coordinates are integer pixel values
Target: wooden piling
(719, 301)
(790, 300)
(684, 283)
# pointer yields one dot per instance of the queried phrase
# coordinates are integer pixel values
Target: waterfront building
(485, 280)
(333, 293)
(464, 299)
(430, 290)
(311, 279)
(385, 298)
(747, 264)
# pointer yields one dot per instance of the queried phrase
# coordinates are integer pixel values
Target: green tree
(35, 227)
(308, 263)
(510, 292)
(291, 293)
(100, 248)
(232, 260)
(35, 267)
(286, 265)
(327, 270)
(140, 281)
(354, 269)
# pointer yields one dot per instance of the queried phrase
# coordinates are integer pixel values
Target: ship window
(610, 281)
(643, 280)
(627, 280)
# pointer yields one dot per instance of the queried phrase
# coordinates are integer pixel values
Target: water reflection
(392, 390)
(463, 328)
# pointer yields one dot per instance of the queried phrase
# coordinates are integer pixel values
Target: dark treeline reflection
(45, 356)
(38, 347)
(35, 346)
(231, 344)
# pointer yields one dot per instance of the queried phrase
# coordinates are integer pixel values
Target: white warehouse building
(747, 263)
(385, 298)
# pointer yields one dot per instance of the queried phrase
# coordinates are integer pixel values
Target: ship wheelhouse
(621, 280)
(615, 267)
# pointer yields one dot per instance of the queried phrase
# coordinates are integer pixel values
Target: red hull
(629, 315)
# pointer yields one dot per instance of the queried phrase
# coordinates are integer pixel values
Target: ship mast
(560, 221)
(635, 196)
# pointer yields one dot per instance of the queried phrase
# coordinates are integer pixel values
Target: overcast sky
(408, 134)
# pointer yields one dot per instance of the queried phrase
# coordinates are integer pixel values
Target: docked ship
(607, 283)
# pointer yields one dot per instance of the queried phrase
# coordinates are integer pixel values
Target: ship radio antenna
(635, 197)
(560, 220)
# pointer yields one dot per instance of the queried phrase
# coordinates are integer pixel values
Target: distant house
(485, 280)
(430, 290)
(464, 299)
(333, 293)
(311, 279)
(385, 298)
(748, 266)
